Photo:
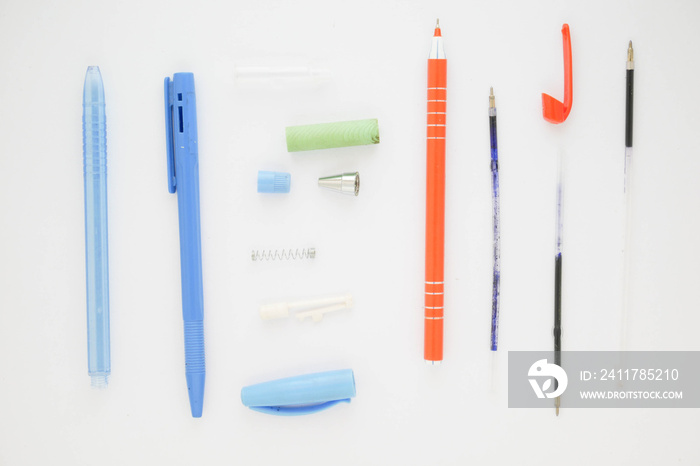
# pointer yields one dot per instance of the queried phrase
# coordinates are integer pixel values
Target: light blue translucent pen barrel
(96, 257)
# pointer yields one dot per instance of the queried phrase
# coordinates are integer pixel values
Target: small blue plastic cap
(303, 394)
(273, 182)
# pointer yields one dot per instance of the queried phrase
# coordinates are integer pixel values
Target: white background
(405, 412)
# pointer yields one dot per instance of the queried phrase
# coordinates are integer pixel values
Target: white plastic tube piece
(274, 311)
(314, 308)
(317, 314)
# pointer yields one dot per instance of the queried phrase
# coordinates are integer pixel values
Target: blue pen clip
(169, 141)
(297, 410)
(303, 394)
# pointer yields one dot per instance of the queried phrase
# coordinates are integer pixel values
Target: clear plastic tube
(280, 75)
(626, 252)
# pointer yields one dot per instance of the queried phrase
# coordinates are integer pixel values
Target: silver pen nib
(347, 183)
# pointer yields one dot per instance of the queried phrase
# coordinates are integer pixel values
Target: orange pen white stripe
(435, 200)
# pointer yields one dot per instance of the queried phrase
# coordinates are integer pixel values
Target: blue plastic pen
(96, 257)
(183, 177)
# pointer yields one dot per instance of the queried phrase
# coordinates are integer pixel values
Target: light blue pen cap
(303, 394)
(273, 182)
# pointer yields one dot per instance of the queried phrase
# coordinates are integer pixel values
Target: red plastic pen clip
(552, 110)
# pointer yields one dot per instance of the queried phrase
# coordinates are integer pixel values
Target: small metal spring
(283, 254)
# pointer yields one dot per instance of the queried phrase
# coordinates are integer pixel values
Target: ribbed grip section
(94, 139)
(194, 347)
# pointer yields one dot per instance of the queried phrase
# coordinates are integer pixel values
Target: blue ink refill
(273, 182)
(303, 394)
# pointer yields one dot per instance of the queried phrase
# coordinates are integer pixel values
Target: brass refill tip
(437, 25)
(557, 404)
(492, 99)
(630, 57)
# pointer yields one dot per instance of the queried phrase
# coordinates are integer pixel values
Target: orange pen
(435, 200)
